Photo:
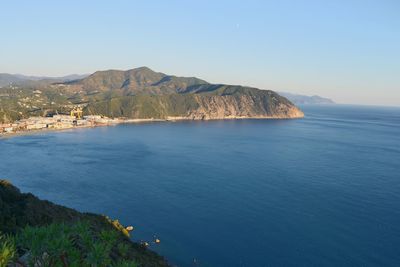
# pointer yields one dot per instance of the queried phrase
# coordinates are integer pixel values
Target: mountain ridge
(167, 94)
(299, 99)
(142, 93)
(21, 79)
(138, 80)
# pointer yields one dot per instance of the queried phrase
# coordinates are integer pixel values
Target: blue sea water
(318, 191)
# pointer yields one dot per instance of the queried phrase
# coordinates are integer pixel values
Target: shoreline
(45, 130)
(132, 121)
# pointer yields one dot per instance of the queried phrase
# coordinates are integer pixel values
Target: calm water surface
(319, 191)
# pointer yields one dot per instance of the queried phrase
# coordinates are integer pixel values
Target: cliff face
(244, 106)
(201, 103)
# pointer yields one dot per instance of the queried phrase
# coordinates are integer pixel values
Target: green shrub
(123, 249)
(7, 249)
(69, 245)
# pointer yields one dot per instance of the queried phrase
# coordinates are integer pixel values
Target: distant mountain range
(19, 79)
(139, 93)
(306, 100)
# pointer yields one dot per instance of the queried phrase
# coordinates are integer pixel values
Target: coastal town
(57, 122)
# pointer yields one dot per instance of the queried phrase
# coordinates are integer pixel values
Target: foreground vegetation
(34, 232)
(60, 244)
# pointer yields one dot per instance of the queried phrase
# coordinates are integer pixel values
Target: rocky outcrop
(244, 106)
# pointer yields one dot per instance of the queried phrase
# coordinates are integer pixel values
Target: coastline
(132, 121)
(45, 130)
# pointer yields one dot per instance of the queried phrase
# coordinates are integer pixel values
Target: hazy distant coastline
(306, 100)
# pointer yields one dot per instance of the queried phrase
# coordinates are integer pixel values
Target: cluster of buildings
(55, 122)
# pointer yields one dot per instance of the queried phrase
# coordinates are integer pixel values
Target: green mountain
(142, 94)
(222, 102)
(136, 81)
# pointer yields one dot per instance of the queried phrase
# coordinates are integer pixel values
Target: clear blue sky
(347, 50)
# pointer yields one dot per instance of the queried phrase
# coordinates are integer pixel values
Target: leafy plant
(7, 249)
(99, 255)
(70, 245)
(123, 249)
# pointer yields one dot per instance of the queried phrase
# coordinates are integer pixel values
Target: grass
(7, 249)
(60, 244)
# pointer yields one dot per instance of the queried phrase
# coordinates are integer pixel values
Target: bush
(7, 249)
(69, 245)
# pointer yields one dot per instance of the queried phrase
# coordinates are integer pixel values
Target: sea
(319, 191)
